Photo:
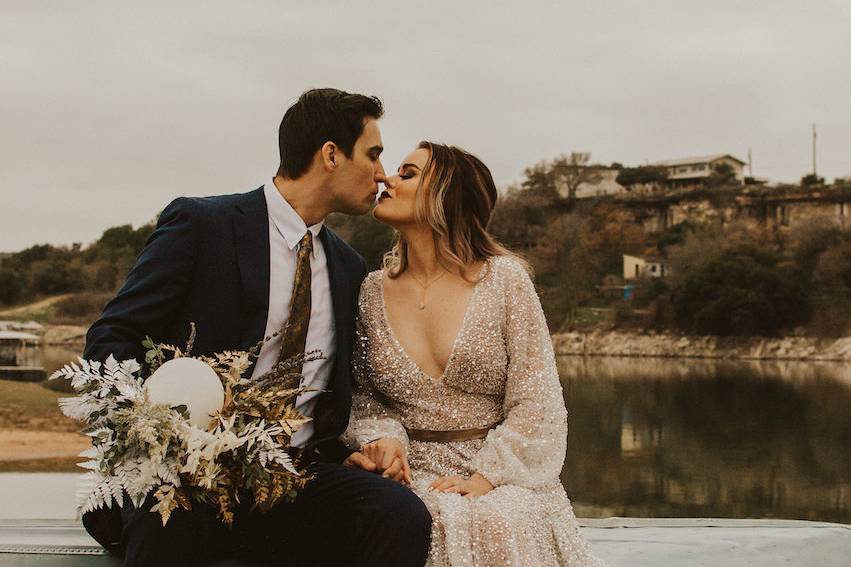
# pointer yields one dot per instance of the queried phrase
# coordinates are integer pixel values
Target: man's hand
(476, 485)
(358, 460)
(389, 458)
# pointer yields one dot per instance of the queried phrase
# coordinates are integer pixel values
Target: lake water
(651, 437)
(687, 437)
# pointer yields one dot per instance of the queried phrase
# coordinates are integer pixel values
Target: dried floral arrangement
(140, 447)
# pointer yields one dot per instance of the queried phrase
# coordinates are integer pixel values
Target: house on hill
(635, 267)
(686, 172)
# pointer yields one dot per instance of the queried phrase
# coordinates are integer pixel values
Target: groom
(242, 267)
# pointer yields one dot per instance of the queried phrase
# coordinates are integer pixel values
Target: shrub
(740, 290)
(81, 308)
(647, 174)
(369, 237)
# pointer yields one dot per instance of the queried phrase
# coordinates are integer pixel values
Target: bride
(456, 389)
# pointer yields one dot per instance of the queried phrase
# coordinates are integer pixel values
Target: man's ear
(329, 152)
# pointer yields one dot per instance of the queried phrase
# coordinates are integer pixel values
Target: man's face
(355, 183)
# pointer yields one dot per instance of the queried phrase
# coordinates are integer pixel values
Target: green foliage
(822, 253)
(830, 285)
(722, 174)
(369, 237)
(812, 179)
(12, 285)
(673, 235)
(43, 269)
(630, 176)
(570, 249)
(156, 355)
(81, 308)
(549, 180)
(648, 290)
(740, 290)
(809, 241)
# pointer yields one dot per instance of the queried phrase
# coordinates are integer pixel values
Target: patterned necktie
(295, 334)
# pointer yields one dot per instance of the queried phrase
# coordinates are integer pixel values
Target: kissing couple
(438, 427)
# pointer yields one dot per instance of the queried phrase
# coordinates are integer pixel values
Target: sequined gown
(501, 370)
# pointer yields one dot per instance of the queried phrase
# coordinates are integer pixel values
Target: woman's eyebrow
(404, 165)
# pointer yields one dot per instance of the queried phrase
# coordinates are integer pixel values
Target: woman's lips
(384, 195)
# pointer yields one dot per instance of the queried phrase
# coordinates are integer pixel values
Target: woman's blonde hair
(457, 204)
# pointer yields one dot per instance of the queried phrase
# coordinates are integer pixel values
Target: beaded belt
(447, 436)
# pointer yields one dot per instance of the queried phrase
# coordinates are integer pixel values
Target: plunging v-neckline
(401, 347)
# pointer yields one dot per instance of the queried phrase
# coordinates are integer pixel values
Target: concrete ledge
(620, 541)
(640, 542)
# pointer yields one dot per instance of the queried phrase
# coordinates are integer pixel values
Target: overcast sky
(109, 110)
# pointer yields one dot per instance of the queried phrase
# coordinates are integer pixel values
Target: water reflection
(57, 356)
(690, 437)
(687, 437)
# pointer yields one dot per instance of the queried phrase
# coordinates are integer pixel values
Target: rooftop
(693, 160)
(18, 336)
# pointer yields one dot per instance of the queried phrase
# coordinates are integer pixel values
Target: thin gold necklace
(425, 287)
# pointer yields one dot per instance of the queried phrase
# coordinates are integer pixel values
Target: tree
(573, 170)
(812, 179)
(740, 290)
(369, 237)
(610, 232)
(830, 287)
(11, 285)
(55, 275)
(540, 183)
(674, 235)
(808, 241)
(643, 174)
(722, 174)
(521, 217)
(566, 271)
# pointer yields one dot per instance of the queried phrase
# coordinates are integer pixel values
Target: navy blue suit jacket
(207, 262)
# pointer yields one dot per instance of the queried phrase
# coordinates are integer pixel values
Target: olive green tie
(295, 334)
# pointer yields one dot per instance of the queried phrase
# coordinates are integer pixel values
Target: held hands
(476, 485)
(385, 456)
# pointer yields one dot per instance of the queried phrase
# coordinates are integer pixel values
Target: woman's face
(396, 205)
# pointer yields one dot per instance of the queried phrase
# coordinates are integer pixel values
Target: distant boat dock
(20, 353)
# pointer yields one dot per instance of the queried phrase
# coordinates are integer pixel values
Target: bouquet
(145, 441)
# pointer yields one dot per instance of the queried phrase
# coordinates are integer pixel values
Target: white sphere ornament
(187, 382)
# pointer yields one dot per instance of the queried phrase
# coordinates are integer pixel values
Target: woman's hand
(389, 458)
(476, 485)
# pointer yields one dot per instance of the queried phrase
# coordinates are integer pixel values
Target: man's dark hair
(319, 116)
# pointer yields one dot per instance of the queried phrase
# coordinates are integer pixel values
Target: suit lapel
(331, 410)
(251, 238)
(339, 284)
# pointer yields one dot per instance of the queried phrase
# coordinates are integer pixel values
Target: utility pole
(750, 163)
(814, 151)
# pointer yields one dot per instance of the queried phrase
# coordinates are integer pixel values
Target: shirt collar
(289, 224)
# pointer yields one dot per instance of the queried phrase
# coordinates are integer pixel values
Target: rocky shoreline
(651, 344)
(638, 344)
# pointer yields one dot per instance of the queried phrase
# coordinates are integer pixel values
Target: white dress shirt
(286, 229)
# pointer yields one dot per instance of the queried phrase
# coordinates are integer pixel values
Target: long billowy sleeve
(372, 415)
(528, 448)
